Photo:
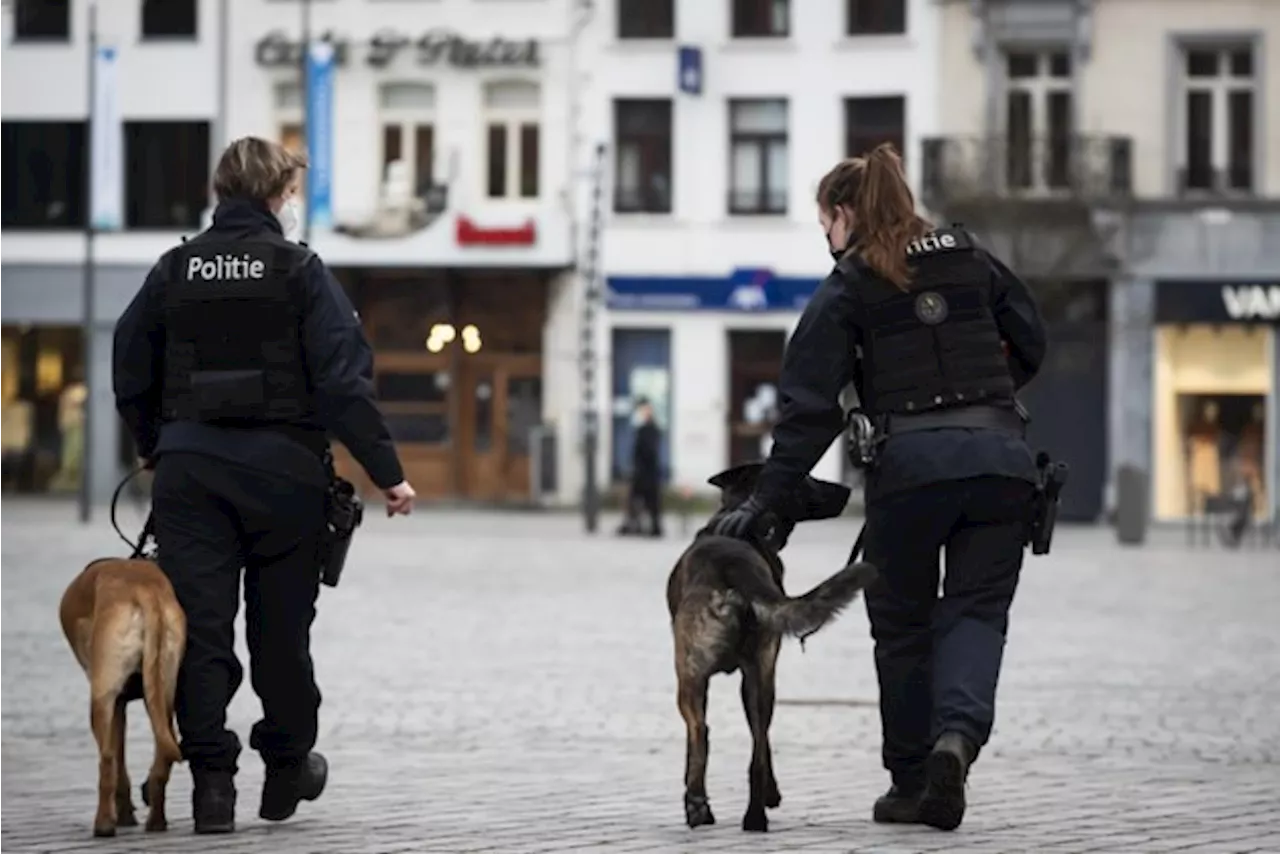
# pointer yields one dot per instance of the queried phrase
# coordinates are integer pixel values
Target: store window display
(43, 408)
(1224, 442)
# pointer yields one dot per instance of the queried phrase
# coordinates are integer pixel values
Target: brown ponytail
(874, 189)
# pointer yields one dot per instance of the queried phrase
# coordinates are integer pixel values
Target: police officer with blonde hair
(232, 365)
(937, 336)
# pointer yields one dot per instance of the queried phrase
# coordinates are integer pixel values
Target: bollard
(1131, 505)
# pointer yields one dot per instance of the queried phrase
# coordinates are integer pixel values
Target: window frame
(900, 141)
(743, 12)
(20, 38)
(514, 119)
(642, 28)
(762, 140)
(1220, 87)
(650, 144)
(147, 37)
(409, 122)
(885, 12)
(76, 166)
(1046, 156)
(132, 221)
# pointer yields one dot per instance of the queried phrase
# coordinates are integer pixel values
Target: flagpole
(306, 108)
(87, 320)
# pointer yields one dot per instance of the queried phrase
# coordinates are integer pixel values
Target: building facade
(439, 194)
(720, 118)
(1119, 155)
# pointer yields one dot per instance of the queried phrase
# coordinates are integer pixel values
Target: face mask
(288, 217)
(836, 254)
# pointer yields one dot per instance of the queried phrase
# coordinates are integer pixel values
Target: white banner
(106, 157)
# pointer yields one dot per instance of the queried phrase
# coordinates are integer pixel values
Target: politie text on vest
(935, 242)
(225, 268)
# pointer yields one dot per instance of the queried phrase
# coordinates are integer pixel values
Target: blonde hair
(257, 169)
(874, 188)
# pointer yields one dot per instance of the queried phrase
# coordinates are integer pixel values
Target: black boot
(946, 769)
(899, 805)
(213, 801)
(288, 785)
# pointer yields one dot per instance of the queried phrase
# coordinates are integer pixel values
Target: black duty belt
(969, 417)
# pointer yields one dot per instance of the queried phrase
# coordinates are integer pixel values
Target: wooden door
(501, 401)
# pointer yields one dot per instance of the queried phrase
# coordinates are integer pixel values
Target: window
(758, 156)
(168, 19)
(1038, 120)
(42, 20)
(512, 139)
(44, 174)
(761, 18)
(168, 174)
(646, 19)
(755, 357)
(1218, 117)
(868, 122)
(642, 134)
(408, 134)
(875, 17)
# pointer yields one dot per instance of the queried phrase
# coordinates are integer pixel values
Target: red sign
(470, 234)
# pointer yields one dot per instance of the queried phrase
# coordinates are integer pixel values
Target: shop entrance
(458, 373)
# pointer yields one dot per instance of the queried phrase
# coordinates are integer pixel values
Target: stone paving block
(504, 683)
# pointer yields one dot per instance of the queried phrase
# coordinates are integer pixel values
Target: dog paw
(156, 824)
(755, 821)
(104, 829)
(697, 812)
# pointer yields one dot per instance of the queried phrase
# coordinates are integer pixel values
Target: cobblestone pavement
(504, 683)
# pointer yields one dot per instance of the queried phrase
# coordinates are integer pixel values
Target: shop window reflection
(1224, 445)
(43, 408)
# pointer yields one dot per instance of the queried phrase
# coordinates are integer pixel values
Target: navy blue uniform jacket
(339, 364)
(821, 360)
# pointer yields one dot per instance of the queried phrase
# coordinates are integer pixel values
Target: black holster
(344, 511)
(1052, 477)
(863, 438)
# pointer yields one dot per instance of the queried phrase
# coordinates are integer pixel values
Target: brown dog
(129, 633)
(729, 612)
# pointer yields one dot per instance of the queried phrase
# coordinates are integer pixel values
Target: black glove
(750, 520)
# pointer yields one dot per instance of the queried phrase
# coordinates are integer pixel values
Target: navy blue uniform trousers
(213, 518)
(938, 657)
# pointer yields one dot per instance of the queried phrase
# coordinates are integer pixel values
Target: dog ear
(823, 500)
(739, 476)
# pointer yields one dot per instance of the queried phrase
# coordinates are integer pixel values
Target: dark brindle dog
(729, 612)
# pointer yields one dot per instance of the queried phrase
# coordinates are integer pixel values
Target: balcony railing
(974, 168)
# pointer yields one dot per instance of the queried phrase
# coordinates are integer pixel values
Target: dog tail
(801, 616)
(155, 688)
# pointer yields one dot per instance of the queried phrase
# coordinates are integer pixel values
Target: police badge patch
(931, 308)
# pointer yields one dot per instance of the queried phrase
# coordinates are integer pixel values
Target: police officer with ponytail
(237, 358)
(937, 336)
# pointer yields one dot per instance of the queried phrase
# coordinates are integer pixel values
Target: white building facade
(440, 145)
(720, 118)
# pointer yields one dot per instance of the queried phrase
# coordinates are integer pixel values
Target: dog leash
(854, 554)
(148, 529)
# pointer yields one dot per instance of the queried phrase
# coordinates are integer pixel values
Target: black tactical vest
(233, 338)
(935, 345)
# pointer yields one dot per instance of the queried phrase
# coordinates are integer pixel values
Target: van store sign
(1217, 302)
(434, 47)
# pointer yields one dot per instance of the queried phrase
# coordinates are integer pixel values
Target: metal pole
(221, 141)
(306, 107)
(86, 323)
(587, 351)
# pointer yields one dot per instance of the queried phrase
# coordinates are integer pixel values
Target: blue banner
(743, 290)
(320, 66)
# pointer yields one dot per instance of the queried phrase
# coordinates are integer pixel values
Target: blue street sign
(320, 66)
(690, 70)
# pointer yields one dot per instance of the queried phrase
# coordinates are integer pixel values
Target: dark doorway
(1068, 400)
